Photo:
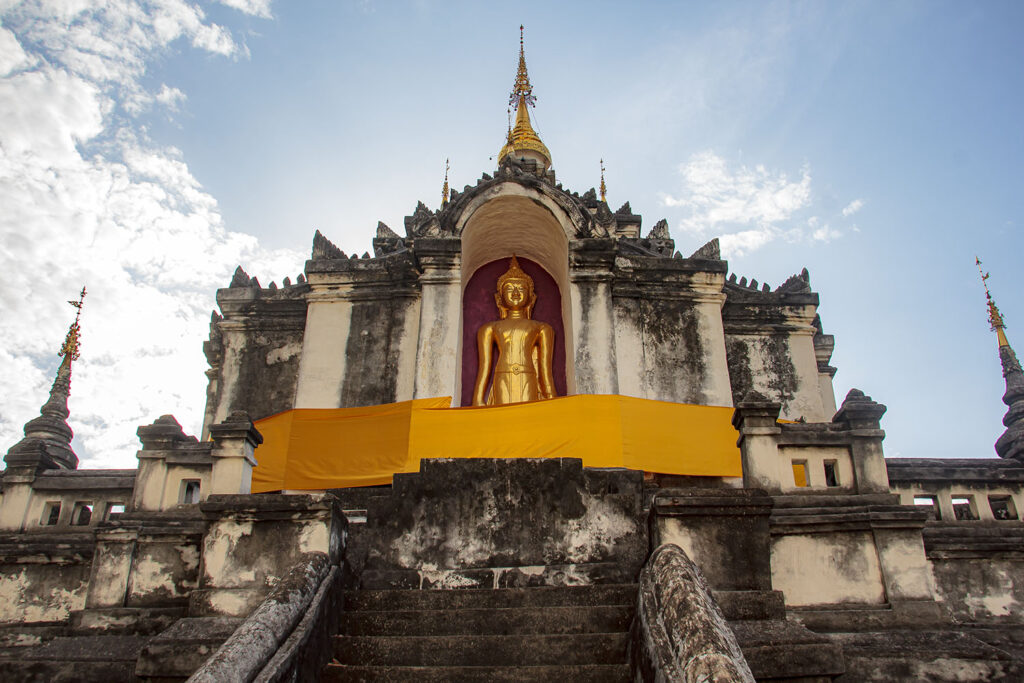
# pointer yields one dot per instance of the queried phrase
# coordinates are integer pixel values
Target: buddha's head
(515, 291)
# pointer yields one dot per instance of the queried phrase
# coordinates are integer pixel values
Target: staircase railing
(288, 636)
(680, 633)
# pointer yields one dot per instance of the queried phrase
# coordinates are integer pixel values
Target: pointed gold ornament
(995, 318)
(522, 138)
(444, 189)
(604, 189)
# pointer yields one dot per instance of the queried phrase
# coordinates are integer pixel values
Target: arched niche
(512, 219)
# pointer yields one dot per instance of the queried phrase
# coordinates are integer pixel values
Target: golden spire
(521, 137)
(995, 318)
(71, 343)
(604, 189)
(444, 190)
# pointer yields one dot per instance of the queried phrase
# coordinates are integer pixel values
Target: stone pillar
(159, 440)
(708, 302)
(944, 501)
(111, 567)
(593, 322)
(322, 366)
(724, 532)
(234, 443)
(437, 351)
(860, 415)
(252, 541)
(17, 496)
(808, 402)
(756, 419)
(824, 344)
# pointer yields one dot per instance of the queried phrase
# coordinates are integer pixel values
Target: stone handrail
(680, 633)
(251, 652)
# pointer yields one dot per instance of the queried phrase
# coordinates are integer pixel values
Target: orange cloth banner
(307, 449)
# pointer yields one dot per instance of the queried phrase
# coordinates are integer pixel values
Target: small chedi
(634, 468)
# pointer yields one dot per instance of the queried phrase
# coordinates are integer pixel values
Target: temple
(525, 439)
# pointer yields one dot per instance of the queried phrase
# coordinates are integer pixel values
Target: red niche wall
(478, 307)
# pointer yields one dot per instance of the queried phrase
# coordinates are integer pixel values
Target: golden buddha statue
(522, 370)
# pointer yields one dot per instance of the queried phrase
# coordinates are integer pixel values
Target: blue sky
(876, 143)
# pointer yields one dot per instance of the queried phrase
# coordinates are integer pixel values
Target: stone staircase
(544, 633)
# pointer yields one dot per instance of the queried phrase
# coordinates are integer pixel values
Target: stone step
(501, 651)
(940, 656)
(491, 578)
(492, 621)
(779, 649)
(475, 598)
(85, 659)
(580, 673)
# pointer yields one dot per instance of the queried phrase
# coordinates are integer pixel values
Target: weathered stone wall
(145, 560)
(983, 484)
(359, 345)
(769, 338)
(981, 589)
(252, 541)
(254, 350)
(814, 459)
(827, 569)
(84, 497)
(43, 576)
(668, 334)
(723, 531)
(978, 569)
(491, 523)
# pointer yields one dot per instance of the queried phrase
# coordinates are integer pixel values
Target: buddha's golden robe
(522, 370)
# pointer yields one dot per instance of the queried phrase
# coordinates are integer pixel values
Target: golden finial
(444, 190)
(71, 342)
(995, 318)
(522, 91)
(521, 136)
(604, 189)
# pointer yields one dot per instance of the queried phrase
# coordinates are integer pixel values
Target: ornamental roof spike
(522, 138)
(995, 318)
(444, 188)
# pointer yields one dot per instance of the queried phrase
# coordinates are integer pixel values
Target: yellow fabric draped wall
(334, 448)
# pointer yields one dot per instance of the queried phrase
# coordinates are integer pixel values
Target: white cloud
(826, 233)
(853, 207)
(745, 206)
(259, 8)
(170, 97)
(88, 199)
(12, 57)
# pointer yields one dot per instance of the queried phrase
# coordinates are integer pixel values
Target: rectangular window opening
(1002, 507)
(800, 473)
(963, 508)
(189, 491)
(51, 513)
(930, 502)
(114, 510)
(831, 473)
(81, 514)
